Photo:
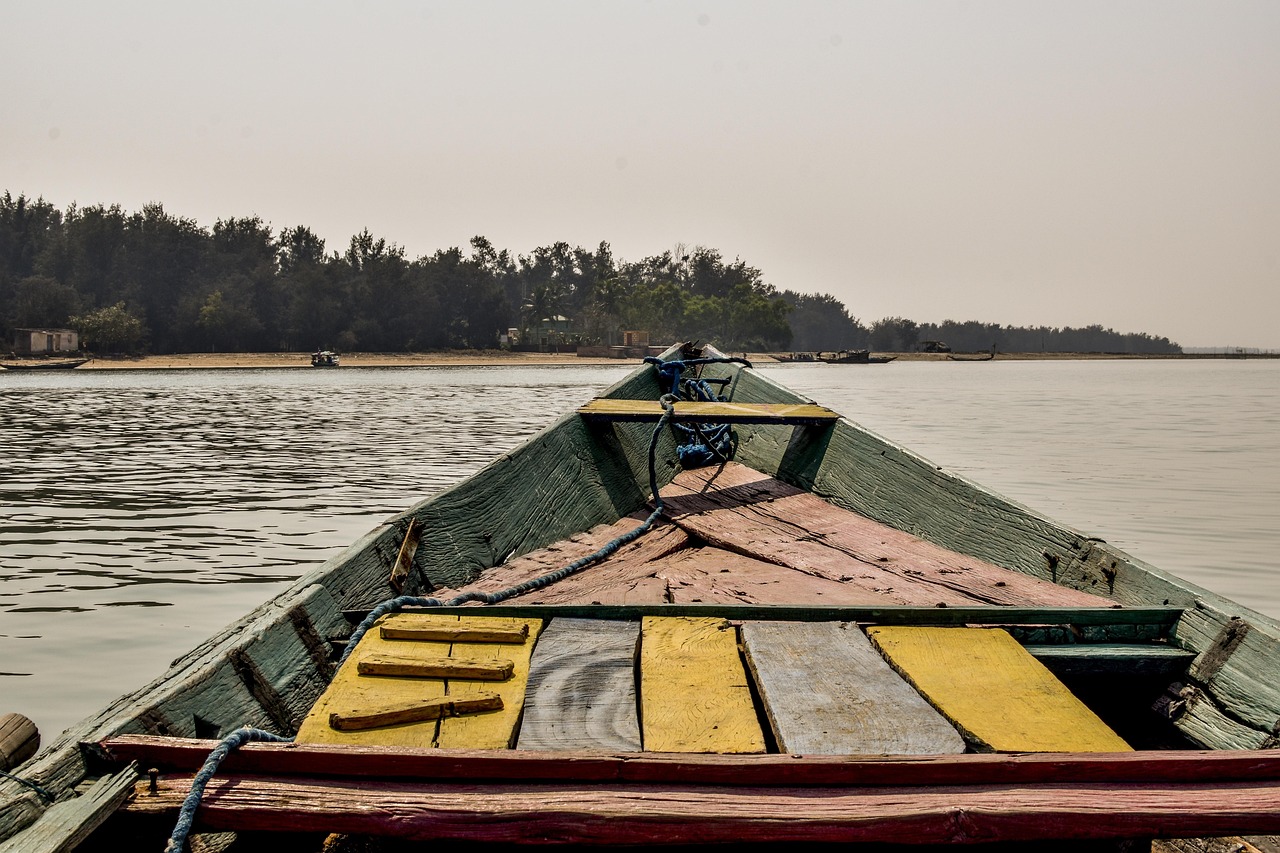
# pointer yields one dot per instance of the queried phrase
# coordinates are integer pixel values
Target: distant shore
(492, 358)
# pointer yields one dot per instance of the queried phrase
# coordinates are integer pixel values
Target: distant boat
(980, 356)
(44, 364)
(857, 356)
(324, 358)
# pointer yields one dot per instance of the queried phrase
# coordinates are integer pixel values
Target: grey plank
(844, 699)
(581, 692)
(68, 822)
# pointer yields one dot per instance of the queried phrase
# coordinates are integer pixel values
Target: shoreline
(501, 358)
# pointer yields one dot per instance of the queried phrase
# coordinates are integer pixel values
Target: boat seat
(801, 414)
(995, 692)
(430, 680)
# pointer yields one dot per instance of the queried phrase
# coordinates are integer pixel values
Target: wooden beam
(186, 755)
(404, 560)
(595, 813)
(1157, 616)
(709, 413)
(1112, 658)
(68, 822)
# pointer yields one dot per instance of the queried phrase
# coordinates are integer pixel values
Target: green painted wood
(1112, 658)
(882, 615)
(582, 692)
(844, 699)
(1236, 664)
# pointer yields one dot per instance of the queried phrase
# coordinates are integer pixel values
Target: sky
(1031, 162)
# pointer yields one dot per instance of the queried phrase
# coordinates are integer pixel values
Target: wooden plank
(1111, 658)
(844, 700)
(735, 507)
(582, 689)
(352, 694)
(68, 822)
(441, 666)
(624, 577)
(709, 413)
(1111, 616)
(1237, 662)
(693, 689)
(182, 755)
(999, 696)
(707, 575)
(404, 559)
(497, 729)
(377, 717)
(453, 633)
(621, 814)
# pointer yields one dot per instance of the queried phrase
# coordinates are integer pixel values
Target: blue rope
(43, 792)
(187, 815)
(702, 444)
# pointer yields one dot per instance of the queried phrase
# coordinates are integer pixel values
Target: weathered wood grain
(708, 412)
(582, 690)
(416, 711)
(19, 740)
(997, 694)
(628, 815)
(444, 666)
(735, 507)
(694, 695)
(180, 755)
(708, 575)
(69, 822)
(352, 694)
(1237, 662)
(624, 577)
(452, 633)
(825, 690)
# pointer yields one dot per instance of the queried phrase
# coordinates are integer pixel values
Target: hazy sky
(1023, 162)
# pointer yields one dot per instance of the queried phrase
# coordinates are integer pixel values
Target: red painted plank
(594, 813)
(183, 755)
(740, 509)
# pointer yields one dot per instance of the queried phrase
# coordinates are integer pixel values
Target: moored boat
(783, 652)
(44, 364)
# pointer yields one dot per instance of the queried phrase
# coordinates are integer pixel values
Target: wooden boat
(325, 358)
(860, 356)
(821, 638)
(44, 364)
(981, 356)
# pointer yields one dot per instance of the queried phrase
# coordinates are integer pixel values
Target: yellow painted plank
(994, 691)
(694, 695)
(708, 412)
(351, 693)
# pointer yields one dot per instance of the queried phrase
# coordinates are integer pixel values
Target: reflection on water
(142, 511)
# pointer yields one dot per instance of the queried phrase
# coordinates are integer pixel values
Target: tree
(894, 334)
(111, 329)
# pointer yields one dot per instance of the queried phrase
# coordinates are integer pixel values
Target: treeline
(822, 323)
(152, 281)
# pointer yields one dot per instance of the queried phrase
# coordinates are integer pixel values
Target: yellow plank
(693, 688)
(351, 693)
(994, 691)
(651, 410)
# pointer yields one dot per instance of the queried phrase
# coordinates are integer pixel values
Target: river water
(140, 511)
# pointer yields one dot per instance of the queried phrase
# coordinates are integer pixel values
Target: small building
(635, 339)
(41, 341)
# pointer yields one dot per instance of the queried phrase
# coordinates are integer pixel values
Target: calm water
(140, 511)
